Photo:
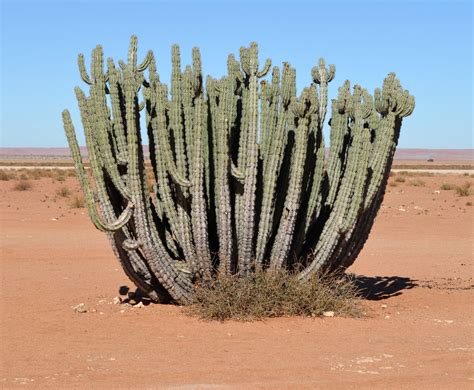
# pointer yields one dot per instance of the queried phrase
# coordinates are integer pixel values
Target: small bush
(392, 184)
(464, 190)
(22, 185)
(400, 179)
(417, 183)
(36, 174)
(263, 295)
(61, 177)
(78, 202)
(63, 192)
(5, 176)
(447, 187)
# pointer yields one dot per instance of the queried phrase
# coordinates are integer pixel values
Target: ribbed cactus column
(239, 174)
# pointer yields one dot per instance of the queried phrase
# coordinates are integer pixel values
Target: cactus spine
(240, 175)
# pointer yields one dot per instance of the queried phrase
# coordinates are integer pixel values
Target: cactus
(241, 179)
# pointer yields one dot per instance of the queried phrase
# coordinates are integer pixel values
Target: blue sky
(427, 43)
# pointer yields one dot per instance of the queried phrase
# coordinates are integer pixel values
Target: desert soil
(417, 332)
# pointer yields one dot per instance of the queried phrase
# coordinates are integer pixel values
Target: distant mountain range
(401, 154)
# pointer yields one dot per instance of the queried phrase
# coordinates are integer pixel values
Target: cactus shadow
(133, 296)
(377, 288)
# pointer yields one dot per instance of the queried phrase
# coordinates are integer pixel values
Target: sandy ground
(418, 332)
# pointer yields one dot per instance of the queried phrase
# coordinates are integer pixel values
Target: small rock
(384, 306)
(139, 305)
(53, 219)
(437, 192)
(401, 209)
(328, 314)
(117, 300)
(81, 308)
(387, 317)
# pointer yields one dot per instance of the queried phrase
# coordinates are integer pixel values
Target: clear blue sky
(427, 43)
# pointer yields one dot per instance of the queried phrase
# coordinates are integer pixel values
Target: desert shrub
(77, 202)
(70, 173)
(24, 176)
(48, 173)
(36, 174)
(22, 185)
(5, 176)
(392, 184)
(400, 179)
(277, 294)
(60, 177)
(464, 190)
(63, 192)
(447, 187)
(417, 183)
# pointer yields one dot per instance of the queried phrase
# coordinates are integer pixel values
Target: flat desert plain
(416, 274)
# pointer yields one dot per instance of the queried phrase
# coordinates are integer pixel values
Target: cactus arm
(338, 138)
(272, 164)
(238, 174)
(82, 69)
(86, 186)
(284, 237)
(198, 210)
(223, 200)
(323, 76)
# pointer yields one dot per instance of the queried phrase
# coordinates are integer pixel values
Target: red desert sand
(417, 332)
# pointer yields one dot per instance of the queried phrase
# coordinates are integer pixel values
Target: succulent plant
(240, 175)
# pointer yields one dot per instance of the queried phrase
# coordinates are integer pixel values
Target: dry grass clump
(60, 176)
(264, 295)
(6, 175)
(78, 202)
(70, 173)
(22, 185)
(400, 179)
(417, 183)
(35, 174)
(464, 190)
(447, 187)
(63, 192)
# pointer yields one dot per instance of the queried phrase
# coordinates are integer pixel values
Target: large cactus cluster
(240, 175)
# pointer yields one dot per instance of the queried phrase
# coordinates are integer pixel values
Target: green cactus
(241, 180)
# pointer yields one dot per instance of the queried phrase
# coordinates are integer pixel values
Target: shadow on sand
(376, 288)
